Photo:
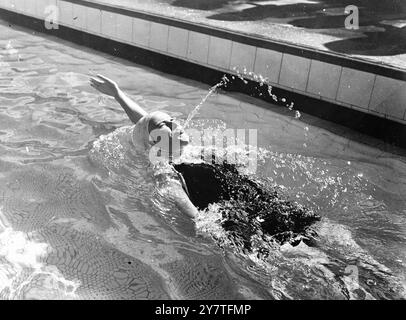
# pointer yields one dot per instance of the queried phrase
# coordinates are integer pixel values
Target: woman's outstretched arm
(109, 87)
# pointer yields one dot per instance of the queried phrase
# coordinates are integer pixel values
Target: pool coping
(255, 40)
(390, 130)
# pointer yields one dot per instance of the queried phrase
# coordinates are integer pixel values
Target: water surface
(81, 216)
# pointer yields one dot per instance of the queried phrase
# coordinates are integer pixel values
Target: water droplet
(371, 282)
(270, 90)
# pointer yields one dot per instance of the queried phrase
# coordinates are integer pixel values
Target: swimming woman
(150, 130)
(248, 207)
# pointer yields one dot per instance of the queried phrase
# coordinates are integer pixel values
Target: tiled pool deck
(369, 89)
(317, 24)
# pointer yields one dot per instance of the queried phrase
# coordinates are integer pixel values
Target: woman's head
(168, 133)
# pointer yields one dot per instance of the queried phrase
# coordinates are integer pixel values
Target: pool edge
(392, 132)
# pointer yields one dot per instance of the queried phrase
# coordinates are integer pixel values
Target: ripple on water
(103, 271)
(200, 277)
(35, 196)
(50, 203)
(59, 236)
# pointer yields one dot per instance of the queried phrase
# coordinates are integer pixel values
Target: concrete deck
(317, 24)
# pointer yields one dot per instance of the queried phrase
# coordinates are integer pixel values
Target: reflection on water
(82, 217)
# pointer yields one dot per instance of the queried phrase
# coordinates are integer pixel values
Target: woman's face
(163, 125)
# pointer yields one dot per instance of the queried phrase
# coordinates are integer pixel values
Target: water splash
(263, 81)
(213, 89)
(241, 75)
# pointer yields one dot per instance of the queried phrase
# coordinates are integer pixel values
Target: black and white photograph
(221, 152)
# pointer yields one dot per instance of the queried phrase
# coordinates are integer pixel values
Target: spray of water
(213, 89)
(265, 81)
(241, 74)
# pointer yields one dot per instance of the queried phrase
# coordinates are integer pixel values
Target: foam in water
(22, 274)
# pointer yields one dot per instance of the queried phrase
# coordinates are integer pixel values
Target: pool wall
(366, 96)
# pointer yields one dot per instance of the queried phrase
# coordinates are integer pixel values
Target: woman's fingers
(104, 78)
(102, 84)
(96, 81)
(98, 85)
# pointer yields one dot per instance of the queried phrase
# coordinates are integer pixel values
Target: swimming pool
(81, 218)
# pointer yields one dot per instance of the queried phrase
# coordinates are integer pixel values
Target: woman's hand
(105, 85)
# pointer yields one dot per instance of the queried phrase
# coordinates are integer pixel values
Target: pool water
(82, 216)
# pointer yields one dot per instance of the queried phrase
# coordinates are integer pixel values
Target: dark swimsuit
(248, 207)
